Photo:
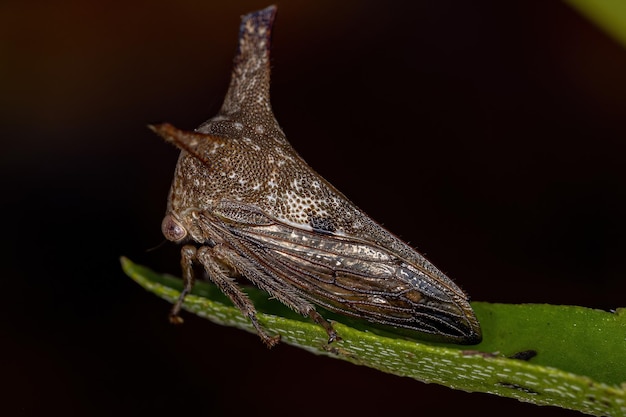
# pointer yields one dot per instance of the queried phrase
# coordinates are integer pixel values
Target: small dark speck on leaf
(524, 355)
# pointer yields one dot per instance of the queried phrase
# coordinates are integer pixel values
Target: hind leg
(229, 287)
(270, 282)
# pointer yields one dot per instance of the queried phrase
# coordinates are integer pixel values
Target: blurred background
(488, 134)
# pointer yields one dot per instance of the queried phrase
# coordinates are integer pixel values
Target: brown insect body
(256, 209)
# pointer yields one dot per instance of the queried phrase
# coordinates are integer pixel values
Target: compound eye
(172, 229)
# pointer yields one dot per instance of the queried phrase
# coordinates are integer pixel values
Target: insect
(244, 203)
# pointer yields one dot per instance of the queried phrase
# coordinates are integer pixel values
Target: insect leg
(270, 280)
(229, 287)
(317, 318)
(187, 257)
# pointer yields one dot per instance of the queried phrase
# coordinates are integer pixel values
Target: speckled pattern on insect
(245, 203)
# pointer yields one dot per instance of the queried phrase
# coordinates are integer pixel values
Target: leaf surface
(579, 359)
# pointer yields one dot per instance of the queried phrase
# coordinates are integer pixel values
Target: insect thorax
(255, 166)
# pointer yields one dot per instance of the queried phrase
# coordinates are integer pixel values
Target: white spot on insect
(315, 184)
(232, 175)
(242, 181)
(271, 198)
(251, 143)
(296, 185)
(259, 129)
(215, 147)
(256, 186)
(378, 300)
(273, 180)
(238, 126)
(282, 154)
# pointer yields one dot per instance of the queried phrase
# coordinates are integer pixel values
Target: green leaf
(580, 360)
(609, 15)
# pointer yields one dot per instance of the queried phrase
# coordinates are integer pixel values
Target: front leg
(187, 258)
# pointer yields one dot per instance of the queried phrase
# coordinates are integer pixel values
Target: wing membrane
(348, 275)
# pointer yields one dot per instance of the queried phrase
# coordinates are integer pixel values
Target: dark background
(488, 134)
